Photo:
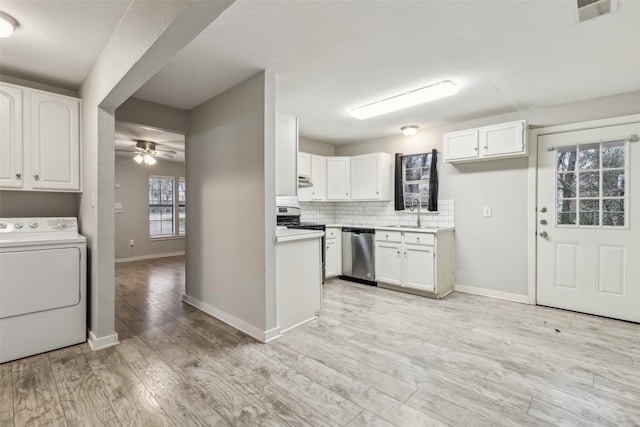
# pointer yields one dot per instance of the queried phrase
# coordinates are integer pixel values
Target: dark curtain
(433, 182)
(399, 193)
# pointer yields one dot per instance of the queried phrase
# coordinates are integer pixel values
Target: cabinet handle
(475, 148)
(18, 175)
(347, 194)
(398, 252)
(485, 147)
(377, 192)
(36, 177)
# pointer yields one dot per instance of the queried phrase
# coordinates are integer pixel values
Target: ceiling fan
(145, 151)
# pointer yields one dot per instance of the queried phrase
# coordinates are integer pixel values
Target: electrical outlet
(487, 211)
(131, 243)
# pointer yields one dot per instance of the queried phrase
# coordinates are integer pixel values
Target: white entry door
(589, 221)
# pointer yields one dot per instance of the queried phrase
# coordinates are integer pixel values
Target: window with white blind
(167, 207)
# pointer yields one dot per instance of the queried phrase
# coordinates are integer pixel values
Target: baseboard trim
(143, 257)
(231, 320)
(524, 299)
(103, 342)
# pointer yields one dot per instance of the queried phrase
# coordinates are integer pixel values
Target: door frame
(532, 187)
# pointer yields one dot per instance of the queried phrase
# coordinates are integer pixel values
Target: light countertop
(413, 229)
(284, 234)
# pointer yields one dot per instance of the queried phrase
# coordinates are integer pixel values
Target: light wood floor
(374, 358)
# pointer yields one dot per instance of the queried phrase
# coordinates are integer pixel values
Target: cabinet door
(460, 145)
(55, 142)
(419, 267)
(304, 164)
(10, 137)
(506, 139)
(388, 263)
(333, 258)
(318, 177)
(338, 178)
(286, 155)
(365, 177)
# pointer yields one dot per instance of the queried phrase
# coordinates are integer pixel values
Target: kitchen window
(166, 206)
(416, 169)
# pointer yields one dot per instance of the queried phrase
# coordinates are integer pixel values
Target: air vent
(591, 9)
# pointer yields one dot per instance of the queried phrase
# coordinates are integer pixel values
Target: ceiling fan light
(7, 25)
(406, 100)
(409, 130)
(138, 158)
(149, 160)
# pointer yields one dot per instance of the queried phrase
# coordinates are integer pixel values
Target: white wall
(491, 253)
(230, 152)
(132, 190)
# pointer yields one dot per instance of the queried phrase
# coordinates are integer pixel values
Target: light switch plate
(487, 211)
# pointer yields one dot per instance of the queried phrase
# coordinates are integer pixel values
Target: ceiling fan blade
(168, 156)
(167, 151)
(127, 151)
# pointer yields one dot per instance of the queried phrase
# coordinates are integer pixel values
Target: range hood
(304, 181)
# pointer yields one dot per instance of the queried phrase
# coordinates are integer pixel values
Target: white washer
(42, 286)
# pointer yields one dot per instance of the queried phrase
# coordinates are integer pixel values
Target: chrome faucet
(414, 203)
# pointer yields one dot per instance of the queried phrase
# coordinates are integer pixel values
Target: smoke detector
(592, 9)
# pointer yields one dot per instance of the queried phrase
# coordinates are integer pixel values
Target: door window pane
(566, 185)
(589, 212)
(589, 184)
(613, 154)
(567, 157)
(566, 211)
(589, 156)
(613, 212)
(613, 183)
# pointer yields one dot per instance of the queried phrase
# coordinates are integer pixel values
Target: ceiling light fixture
(405, 100)
(7, 25)
(148, 159)
(409, 130)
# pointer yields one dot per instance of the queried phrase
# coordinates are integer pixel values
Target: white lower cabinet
(415, 262)
(333, 252)
(389, 263)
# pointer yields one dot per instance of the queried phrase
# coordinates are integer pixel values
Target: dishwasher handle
(358, 230)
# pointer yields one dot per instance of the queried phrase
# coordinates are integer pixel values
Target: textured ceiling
(57, 41)
(330, 56)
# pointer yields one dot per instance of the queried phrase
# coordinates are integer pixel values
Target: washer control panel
(38, 225)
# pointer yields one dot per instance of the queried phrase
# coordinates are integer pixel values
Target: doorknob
(543, 221)
(543, 209)
(543, 234)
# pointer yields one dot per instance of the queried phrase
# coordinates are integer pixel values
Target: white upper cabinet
(486, 143)
(304, 164)
(286, 155)
(318, 173)
(338, 178)
(10, 137)
(371, 177)
(55, 142)
(506, 139)
(40, 140)
(461, 145)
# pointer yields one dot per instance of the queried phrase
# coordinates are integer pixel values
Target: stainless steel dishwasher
(358, 254)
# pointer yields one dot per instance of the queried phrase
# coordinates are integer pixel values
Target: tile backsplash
(369, 213)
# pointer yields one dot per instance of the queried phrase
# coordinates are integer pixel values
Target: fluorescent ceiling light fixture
(406, 100)
(409, 130)
(7, 25)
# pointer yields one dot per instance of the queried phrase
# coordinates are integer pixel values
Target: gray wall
(132, 190)
(230, 152)
(16, 204)
(491, 253)
(152, 114)
(314, 147)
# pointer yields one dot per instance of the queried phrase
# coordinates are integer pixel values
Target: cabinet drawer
(419, 238)
(388, 236)
(332, 233)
